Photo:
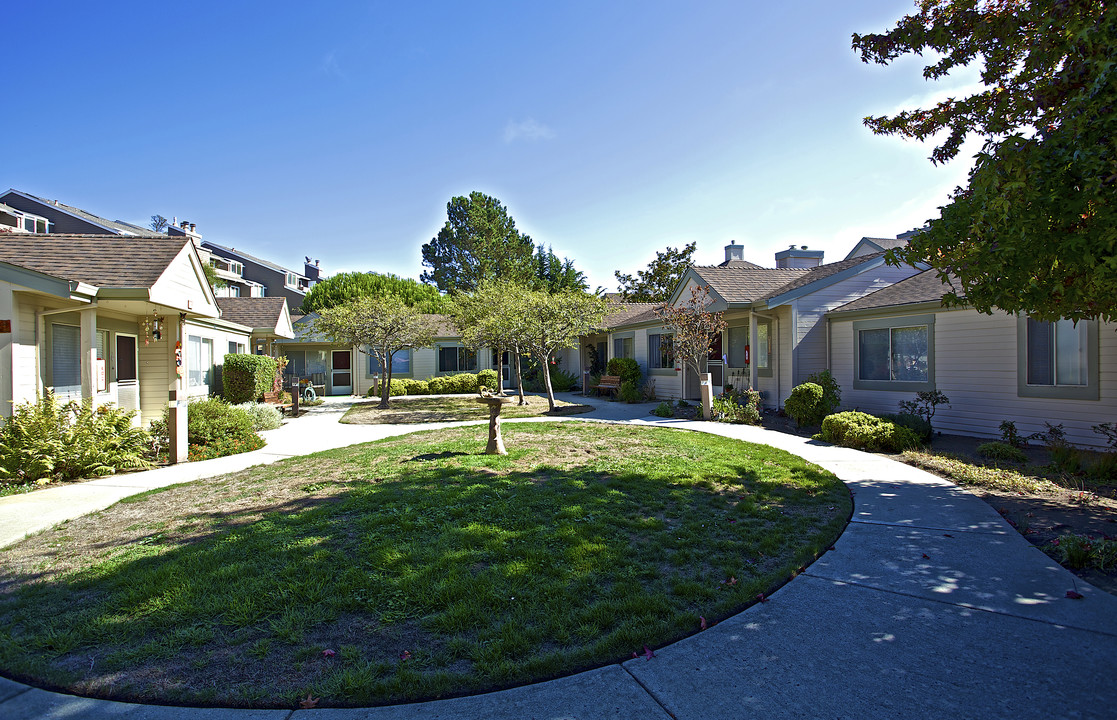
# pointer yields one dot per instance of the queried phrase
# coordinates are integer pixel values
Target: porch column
(88, 335)
(754, 377)
(176, 402)
(9, 327)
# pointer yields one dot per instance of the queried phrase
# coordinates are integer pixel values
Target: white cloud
(330, 65)
(529, 129)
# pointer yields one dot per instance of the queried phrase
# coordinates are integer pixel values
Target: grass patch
(452, 409)
(425, 568)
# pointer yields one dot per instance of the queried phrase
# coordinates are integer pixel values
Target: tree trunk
(519, 378)
(386, 390)
(547, 382)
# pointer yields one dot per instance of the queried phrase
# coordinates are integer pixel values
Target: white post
(176, 400)
(754, 339)
(88, 334)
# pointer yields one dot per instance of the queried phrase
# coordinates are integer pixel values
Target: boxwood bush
(488, 379)
(245, 378)
(868, 432)
(264, 417)
(627, 369)
(804, 404)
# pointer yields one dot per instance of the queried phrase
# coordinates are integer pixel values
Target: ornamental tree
(694, 326)
(553, 321)
(493, 316)
(384, 325)
(1035, 230)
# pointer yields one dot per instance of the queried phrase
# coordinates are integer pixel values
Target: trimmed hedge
(245, 378)
(868, 432)
(488, 379)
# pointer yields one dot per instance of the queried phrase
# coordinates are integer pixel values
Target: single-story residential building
(108, 319)
(890, 344)
(776, 336)
(268, 317)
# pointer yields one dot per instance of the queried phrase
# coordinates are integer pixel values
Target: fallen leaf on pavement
(1074, 595)
(703, 625)
(309, 703)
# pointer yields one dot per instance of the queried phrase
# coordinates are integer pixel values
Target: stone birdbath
(495, 403)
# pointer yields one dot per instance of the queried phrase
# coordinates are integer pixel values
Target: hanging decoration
(152, 327)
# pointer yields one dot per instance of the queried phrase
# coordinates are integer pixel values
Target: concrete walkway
(929, 605)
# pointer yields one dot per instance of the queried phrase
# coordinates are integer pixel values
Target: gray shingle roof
(117, 226)
(921, 288)
(107, 261)
(745, 285)
(252, 311)
(622, 313)
(824, 271)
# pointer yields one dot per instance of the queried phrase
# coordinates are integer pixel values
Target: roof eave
(784, 298)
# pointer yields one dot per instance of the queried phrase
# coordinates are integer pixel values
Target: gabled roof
(925, 287)
(831, 271)
(255, 312)
(252, 258)
(870, 245)
(737, 285)
(738, 264)
(622, 313)
(105, 261)
(444, 327)
(116, 227)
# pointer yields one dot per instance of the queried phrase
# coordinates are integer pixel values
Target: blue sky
(340, 130)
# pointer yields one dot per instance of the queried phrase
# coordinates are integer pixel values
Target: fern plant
(49, 440)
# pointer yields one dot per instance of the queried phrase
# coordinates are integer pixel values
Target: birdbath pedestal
(496, 442)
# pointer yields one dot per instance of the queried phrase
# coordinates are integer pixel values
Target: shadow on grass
(441, 581)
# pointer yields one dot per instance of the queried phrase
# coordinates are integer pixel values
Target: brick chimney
(798, 257)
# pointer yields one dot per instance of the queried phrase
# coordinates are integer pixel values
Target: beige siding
(183, 285)
(25, 360)
(154, 379)
(810, 327)
(975, 366)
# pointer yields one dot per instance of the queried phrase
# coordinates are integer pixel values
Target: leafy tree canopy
(552, 321)
(345, 287)
(694, 325)
(478, 242)
(658, 281)
(1035, 230)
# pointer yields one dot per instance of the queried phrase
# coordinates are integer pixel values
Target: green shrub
(1104, 468)
(397, 387)
(562, 381)
(629, 392)
(664, 410)
(1080, 551)
(804, 404)
(45, 439)
(867, 432)
(1002, 452)
(225, 446)
(264, 417)
(924, 404)
(488, 379)
(921, 427)
(626, 369)
(245, 378)
(831, 391)
(1009, 434)
(737, 406)
(212, 419)
(416, 387)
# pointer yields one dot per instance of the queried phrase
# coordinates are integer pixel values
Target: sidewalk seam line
(926, 527)
(915, 596)
(651, 694)
(26, 689)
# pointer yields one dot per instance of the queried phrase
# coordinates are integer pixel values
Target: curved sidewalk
(929, 605)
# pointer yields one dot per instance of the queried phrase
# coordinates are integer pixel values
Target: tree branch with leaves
(694, 325)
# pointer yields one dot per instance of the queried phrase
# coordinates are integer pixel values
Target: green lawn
(452, 409)
(426, 568)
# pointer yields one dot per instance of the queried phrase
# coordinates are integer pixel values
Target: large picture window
(894, 354)
(661, 351)
(199, 361)
(455, 358)
(65, 360)
(1057, 359)
(401, 363)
